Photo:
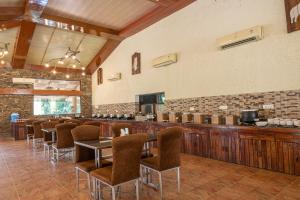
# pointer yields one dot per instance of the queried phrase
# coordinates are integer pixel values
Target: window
(55, 105)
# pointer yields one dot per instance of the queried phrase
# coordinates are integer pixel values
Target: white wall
(271, 64)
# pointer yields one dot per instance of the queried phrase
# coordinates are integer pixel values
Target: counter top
(290, 130)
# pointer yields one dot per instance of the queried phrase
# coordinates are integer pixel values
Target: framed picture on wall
(292, 8)
(136, 63)
(100, 76)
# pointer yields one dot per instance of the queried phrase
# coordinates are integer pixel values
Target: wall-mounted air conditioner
(115, 77)
(165, 60)
(241, 37)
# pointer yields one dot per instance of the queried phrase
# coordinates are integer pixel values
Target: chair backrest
(38, 133)
(84, 133)
(48, 124)
(75, 121)
(94, 123)
(127, 152)
(64, 136)
(116, 128)
(169, 147)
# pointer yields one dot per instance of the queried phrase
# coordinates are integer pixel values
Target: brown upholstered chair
(29, 130)
(64, 142)
(116, 128)
(37, 134)
(126, 157)
(85, 157)
(48, 141)
(168, 158)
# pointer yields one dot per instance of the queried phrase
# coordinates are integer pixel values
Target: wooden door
(196, 142)
(224, 144)
(257, 150)
(297, 159)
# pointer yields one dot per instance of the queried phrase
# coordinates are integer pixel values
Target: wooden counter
(276, 149)
(18, 130)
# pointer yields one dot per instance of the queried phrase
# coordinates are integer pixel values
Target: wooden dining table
(106, 142)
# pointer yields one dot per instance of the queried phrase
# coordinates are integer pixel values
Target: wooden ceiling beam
(9, 24)
(16, 91)
(78, 26)
(101, 56)
(153, 17)
(49, 69)
(22, 44)
(164, 3)
(10, 13)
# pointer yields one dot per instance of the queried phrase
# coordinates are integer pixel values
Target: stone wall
(286, 104)
(23, 104)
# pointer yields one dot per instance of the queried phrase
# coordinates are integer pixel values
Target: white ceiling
(115, 14)
(9, 36)
(50, 43)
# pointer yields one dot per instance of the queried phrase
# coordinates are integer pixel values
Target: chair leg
(137, 189)
(113, 193)
(77, 179)
(178, 179)
(44, 150)
(141, 177)
(160, 185)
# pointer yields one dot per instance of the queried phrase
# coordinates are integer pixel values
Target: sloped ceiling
(49, 43)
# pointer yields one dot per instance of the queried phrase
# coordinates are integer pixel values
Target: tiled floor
(27, 175)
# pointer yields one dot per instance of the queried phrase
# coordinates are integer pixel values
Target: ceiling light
(83, 74)
(82, 68)
(5, 52)
(74, 66)
(47, 65)
(67, 76)
(54, 72)
(60, 62)
(2, 62)
(73, 57)
(66, 56)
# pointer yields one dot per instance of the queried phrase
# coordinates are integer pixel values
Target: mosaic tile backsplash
(286, 104)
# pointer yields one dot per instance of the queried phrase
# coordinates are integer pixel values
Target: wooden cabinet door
(196, 142)
(224, 145)
(297, 159)
(105, 130)
(257, 150)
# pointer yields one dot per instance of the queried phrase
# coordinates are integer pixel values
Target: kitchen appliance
(119, 116)
(217, 119)
(162, 117)
(187, 118)
(128, 116)
(175, 117)
(231, 120)
(112, 116)
(249, 116)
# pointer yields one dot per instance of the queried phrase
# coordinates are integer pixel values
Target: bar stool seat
(89, 165)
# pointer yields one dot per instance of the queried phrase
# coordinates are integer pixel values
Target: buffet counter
(271, 148)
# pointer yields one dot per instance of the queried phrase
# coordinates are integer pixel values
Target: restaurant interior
(149, 99)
